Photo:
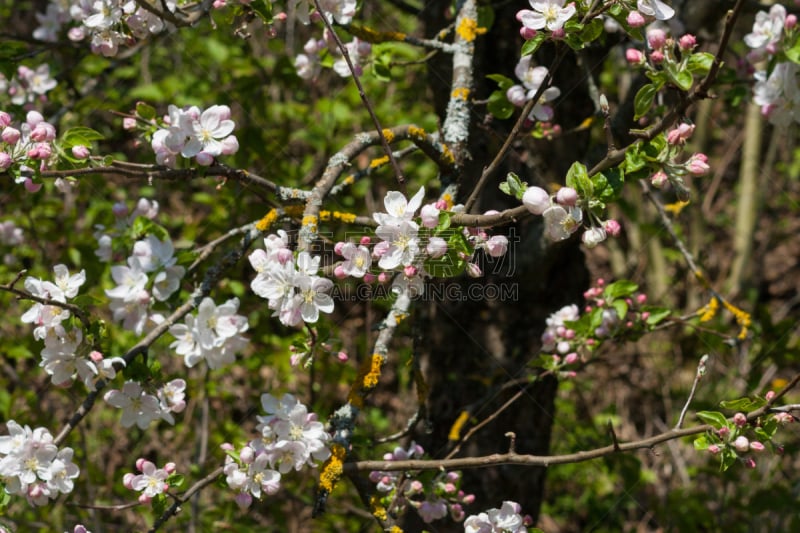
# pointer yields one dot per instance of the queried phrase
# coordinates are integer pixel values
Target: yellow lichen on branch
(333, 468)
(388, 135)
(461, 93)
(379, 161)
(268, 220)
(709, 311)
(458, 425)
(468, 29)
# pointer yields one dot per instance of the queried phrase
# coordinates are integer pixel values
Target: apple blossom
(655, 8)
(536, 200)
(549, 14)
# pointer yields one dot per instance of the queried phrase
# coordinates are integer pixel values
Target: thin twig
(701, 371)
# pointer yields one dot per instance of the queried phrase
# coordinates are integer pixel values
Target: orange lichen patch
(447, 155)
(709, 311)
(310, 221)
(416, 132)
(370, 380)
(742, 318)
(461, 93)
(378, 510)
(468, 29)
(332, 470)
(267, 221)
(458, 425)
(379, 161)
(675, 208)
(387, 134)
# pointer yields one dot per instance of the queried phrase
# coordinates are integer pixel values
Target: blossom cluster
(29, 86)
(141, 408)
(30, 146)
(213, 335)
(295, 292)
(563, 215)
(65, 356)
(507, 519)
(290, 438)
(107, 24)
(545, 14)
(309, 63)
(432, 499)
(776, 90)
(151, 481)
(611, 311)
(532, 79)
(671, 170)
(130, 300)
(32, 465)
(192, 132)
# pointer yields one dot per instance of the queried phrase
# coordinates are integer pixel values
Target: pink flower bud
(247, 455)
(5, 161)
(645, 315)
(569, 334)
(95, 356)
(473, 270)
(714, 449)
(430, 215)
(697, 165)
(558, 33)
(170, 468)
(80, 151)
(5, 119)
(790, 21)
(230, 145)
(641, 298)
(33, 118)
(365, 240)
(379, 249)
(571, 358)
(657, 57)
(527, 33)
(129, 123)
(437, 247)
(612, 227)
(757, 446)
(338, 272)
(739, 419)
(749, 463)
(770, 395)
(43, 131)
(536, 200)
(497, 245)
(723, 432)
(30, 186)
(656, 38)
(687, 42)
(10, 135)
(337, 248)
(226, 446)
(567, 196)
(410, 271)
(468, 499)
(140, 464)
(342, 357)
(383, 277)
(741, 444)
(635, 19)
(243, 500)
(127, 481)
(634, 56)
(659, 179)
(680, 134)
(369, 277)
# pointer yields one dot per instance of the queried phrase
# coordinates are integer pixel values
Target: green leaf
(145, 111)
(513, 186)
(728, 459)
(680, 77)
(621, 307)
(657, 314)
(593, 30)
(444, 221)
(79, 136)
(10, 54)
(643, 100)
(744, 405)
(504, 82)
(578, 179)
(499, 106)
(263, 9)
(143, 226)
(700, 63)
(713, 418)
(793, 53)
(620, 289)
(485, 17)
(701, 443)
(633, 159)
(532, 45)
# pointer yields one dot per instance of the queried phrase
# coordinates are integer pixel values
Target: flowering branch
(25, 295)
